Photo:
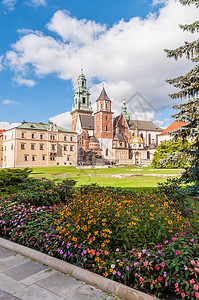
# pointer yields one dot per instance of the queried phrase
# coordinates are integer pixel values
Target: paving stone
(24, 270)
(38, 276)
(35, 292)
(9, 285)
(5, 253)
(86, 292)
(7, 296)
(60, 284)
(10, 262)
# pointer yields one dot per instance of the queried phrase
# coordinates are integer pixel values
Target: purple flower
(144, 251)
(165, 274)
(114, 272)
(117, 250)
(64, 255)
(185, 267)
(127, 268)
(160, 252)
(62, 243)
(118, 273)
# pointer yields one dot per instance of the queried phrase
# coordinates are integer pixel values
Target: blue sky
(120, 44)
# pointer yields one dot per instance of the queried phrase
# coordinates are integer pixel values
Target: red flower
(157, 267)
(160, 278)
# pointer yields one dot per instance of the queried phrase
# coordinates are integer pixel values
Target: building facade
(113, 139)
(38, 144)
(1, 148)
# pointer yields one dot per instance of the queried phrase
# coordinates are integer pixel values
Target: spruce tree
(188, 110)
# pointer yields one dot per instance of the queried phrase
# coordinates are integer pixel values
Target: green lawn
(81, 176)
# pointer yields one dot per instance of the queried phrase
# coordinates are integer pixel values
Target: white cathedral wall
(106, 144)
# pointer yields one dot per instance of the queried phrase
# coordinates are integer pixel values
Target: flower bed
(141, 240)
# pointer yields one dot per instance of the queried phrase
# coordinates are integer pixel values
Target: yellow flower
(170, 222)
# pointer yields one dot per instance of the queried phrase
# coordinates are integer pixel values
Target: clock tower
(82, 104)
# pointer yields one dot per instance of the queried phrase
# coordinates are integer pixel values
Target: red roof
(1, 131)
(173, 126)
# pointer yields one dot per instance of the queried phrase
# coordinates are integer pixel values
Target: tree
(174, 149)
(189, 110)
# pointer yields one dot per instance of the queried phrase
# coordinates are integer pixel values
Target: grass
(81, 176)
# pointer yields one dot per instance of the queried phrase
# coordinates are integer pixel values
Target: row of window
(102, 106)
(52, 137)
(34, 157)
(41, 147)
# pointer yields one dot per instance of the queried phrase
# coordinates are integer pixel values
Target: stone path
(23, 278)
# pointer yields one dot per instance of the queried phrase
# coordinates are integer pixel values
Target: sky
(119, 44)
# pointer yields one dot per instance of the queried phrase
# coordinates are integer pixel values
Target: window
(106, 105)
(4, 158)
(43, 157)
(5, 137)
(149, 138)
(52, 157)
(12, 147)
(120, 144)
(32, 146)
(26, 157)
(22, 146)
(23, 135)
(82, 83)
(106, 118)
(5, 148)
(53, 147)
(41, 147)
(148, 155)
(83, 100)
(101, 105)
(106, 152)
(65, 138)
(106, 127)
(65, 148)
(41, 136)
(52, 137)
(33, 135)
(68, 158)
(71, 138)
(33, 158)
(71, 148)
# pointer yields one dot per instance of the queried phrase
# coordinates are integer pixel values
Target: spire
(124, 110)
(103, 95)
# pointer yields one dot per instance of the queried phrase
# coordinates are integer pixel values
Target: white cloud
(8, 101)
(73, 30)
(159, 122)
(22, 81)
(159, 2)
(10, 4)
(64, 120)
(36, 3)
(7, 125)
(128, 57)
(1, 65)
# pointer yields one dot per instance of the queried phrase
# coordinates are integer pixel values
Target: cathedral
(103, 138)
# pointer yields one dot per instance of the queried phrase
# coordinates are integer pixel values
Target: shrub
(11, 178)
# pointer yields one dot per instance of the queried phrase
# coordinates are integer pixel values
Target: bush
(44, 192)
(11, 178)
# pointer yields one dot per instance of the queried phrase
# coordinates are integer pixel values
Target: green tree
(168, 149)
(188, 86)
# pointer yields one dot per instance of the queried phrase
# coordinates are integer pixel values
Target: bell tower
(82, 104)
(104, 124)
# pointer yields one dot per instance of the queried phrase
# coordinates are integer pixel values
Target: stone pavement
(23, 278)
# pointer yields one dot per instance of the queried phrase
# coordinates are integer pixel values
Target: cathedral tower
(104, 124)
(82, 104)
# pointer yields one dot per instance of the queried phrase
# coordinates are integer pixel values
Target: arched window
(106, 127)
(106, 152)
(149, 138)
(101, 105)
(106, 105)
(148, 155)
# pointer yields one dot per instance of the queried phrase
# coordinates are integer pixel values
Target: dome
(118, 137)
(136, 139)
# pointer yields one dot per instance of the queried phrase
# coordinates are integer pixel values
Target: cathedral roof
(136, 139)
(175, 125)
(143, 125)
(87, 121)
(118, 137)
(103, 95)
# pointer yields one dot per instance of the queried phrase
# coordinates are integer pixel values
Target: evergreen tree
(188, 86)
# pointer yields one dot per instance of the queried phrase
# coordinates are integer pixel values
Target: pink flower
(166, 283)
(183, 233)
(117, 250)
(139, 255)
(146, 263)
(176, 285)
(177, 252)
(127, 268)
(174, 238)
(114, 272)
(97, 253)
(136, 274)
(162, 264)
(192, 281)
(196, 269)
(112, 266)
(183, 295)
(141, 279)
(135, 264)
(153, 282)
(106, 252)
(197, 295)
(195, 287)
(176, 290)
(193, 262)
